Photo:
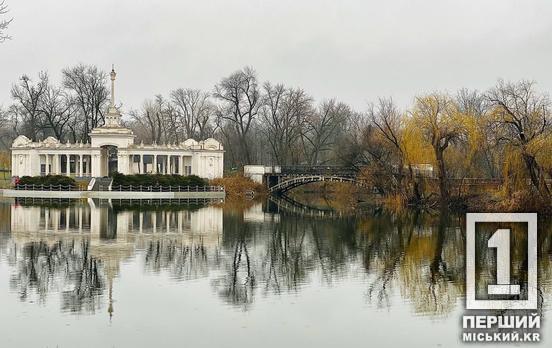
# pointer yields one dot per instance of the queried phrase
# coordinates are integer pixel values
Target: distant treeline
(503, 132)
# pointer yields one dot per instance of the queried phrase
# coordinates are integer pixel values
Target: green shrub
(47, 180)
(157, 180)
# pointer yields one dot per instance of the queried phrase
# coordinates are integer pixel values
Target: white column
(141, 164)
(68, 169)
(95, 165)
(81, 157)
(154, 164)
(47, 165)
(121, 164)
(58, 163)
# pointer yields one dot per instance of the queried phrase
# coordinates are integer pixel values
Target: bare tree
(57, 110)
(283, 115)
(148, 122)
(87, 86)
(170, 119)
(6, 134)
(4, 23)
(28, 97)
(239, 98)
(524, 117)
(387, 121)
(322, 128)
(194, 110)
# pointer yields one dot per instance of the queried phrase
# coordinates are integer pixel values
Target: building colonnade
(81, 165)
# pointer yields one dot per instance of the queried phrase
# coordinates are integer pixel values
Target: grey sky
(352, 50)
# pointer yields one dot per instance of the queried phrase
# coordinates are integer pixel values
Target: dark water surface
(100, 274)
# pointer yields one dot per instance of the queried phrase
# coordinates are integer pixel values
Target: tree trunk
(536, 176)
(416, 194)
(442, 174)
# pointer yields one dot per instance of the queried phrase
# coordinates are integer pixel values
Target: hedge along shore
(113, 194)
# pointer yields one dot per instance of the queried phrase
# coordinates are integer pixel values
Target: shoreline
(10, 193)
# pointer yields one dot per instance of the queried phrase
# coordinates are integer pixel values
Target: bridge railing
(318, 170)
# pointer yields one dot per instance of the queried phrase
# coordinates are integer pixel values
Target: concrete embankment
(112, 194)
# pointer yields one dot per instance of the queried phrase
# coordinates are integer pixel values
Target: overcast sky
(352, 50)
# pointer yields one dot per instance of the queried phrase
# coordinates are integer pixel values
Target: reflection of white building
(112, 149)
(114, 236)
(102, 222)
(255, 213)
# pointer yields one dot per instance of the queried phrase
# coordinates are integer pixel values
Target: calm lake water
(100, 274)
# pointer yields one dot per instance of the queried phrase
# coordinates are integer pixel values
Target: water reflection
(76, 251)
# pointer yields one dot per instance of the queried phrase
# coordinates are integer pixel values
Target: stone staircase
(102, 184)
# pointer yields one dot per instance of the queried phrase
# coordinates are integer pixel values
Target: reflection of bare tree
(83, 276)
(183, 260)
(299, 246)
(42, 268)
(384, 243)
(442, 296)
(237, 283)
(4, 227)
(418, 253)
(421, 255)
(285, 262)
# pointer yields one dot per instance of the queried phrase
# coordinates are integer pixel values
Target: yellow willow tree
(477, 155)
(440, 122)
(392, 144)
(522, 116)
(416, 152)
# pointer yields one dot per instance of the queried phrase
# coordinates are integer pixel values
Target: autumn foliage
(503, 134)
(239, 186)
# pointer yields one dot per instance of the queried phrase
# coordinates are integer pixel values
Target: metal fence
(33, 187)
(122, 188)
(142, 188)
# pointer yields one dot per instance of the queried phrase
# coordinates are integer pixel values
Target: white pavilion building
(112, 149)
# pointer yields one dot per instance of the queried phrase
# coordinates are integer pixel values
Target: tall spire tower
(113, 76)
(113, 117)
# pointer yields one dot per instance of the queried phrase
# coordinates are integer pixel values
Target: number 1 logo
(500, 240)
